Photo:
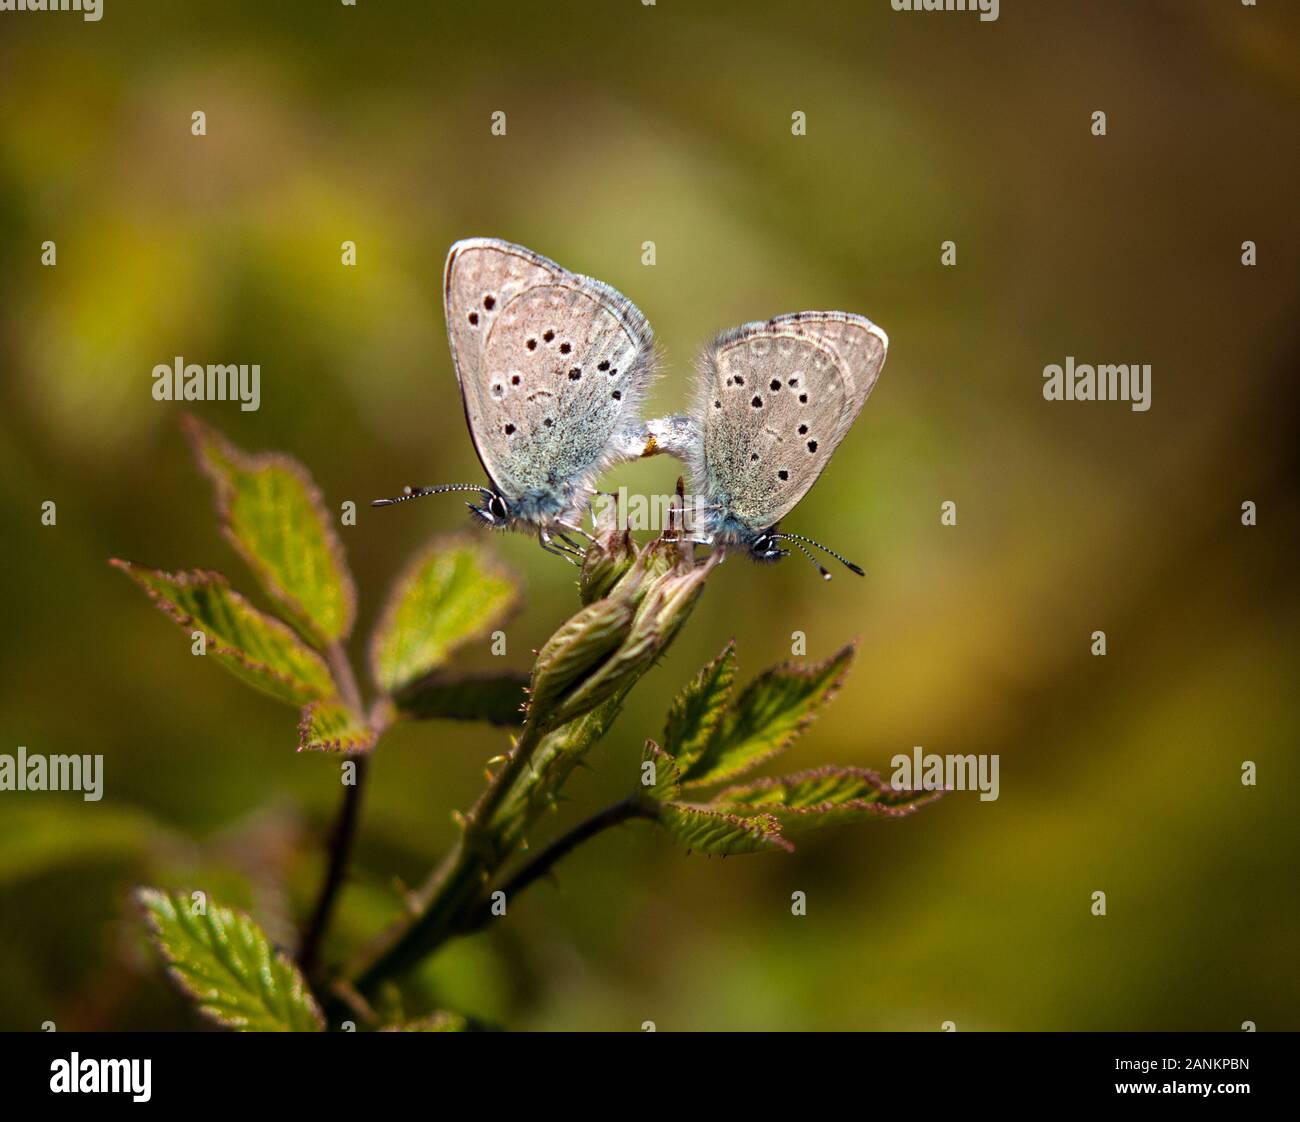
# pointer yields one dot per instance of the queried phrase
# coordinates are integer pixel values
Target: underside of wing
(552, 369)
(776, 399)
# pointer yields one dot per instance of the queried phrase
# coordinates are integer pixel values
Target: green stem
(440, 904)
(344, 831)
(540, 865)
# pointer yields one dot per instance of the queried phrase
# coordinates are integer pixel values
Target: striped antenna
(420, 492)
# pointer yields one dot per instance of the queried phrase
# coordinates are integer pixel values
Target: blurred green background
(671, 124)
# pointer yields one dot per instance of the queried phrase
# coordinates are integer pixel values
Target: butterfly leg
(568, 541)
(551, 546)
(574, 528)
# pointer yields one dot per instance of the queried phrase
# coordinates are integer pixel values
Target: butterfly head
(767, 545)
(764, 546)
(494, 511)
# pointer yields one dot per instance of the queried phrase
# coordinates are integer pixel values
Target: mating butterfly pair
(553, 368)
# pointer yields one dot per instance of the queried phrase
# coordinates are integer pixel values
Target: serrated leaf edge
(147, 899)
(206, 577)
(661, 757)
(726, 660)
(760, 826)
(727, 796)
(802, 670)
(352, 745)
(196, 432)
(443, 543)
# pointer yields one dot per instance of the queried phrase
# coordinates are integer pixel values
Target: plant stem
(437, 911)
(344, 831)
(440, 903)
(541, 864)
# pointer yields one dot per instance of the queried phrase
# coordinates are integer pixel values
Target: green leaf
(498, 699)
(825, 796)
(255, 647)
(225, 962)
(699, 709)
(451, 593)
(667, 778)
(767, 718)
(434, 1022)
(702, 830)
(330, 726)
(272, 514)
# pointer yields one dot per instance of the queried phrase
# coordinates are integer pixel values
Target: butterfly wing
(777, 398)
(552, 368)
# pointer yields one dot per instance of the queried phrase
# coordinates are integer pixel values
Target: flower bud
(576, 651)
(607, 559)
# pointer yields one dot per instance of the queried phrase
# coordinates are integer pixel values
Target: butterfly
(774, 400)
(552, 368)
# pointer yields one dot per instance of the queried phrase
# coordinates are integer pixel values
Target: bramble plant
(634, 600)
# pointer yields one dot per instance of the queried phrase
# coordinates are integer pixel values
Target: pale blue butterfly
(774, 400)
(552, 369)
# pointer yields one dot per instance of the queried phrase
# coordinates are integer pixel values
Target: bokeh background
(671, 123)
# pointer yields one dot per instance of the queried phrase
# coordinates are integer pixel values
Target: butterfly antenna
(842, 560)
(420, 492)
(808, 554)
